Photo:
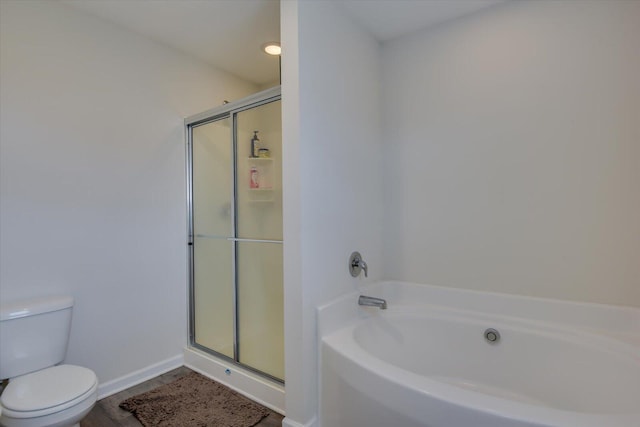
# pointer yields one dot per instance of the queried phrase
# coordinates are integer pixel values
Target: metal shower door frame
(229, 110)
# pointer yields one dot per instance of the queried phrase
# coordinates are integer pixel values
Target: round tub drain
(492, 335)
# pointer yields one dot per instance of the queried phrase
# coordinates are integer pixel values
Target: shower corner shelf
(260, 160)
(260, 195)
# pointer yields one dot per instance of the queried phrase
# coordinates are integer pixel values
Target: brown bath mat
(194, 401)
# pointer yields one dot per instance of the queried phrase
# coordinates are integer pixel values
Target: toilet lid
(47, 388)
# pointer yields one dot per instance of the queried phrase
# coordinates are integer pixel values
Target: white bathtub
(425, 361)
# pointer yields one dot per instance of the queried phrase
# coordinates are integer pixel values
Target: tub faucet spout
(372, 302)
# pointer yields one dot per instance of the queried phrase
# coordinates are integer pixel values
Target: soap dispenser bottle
(255, 144)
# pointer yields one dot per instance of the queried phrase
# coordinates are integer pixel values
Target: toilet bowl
(41, 392)
(58, 396)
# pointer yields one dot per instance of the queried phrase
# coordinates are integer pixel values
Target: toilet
(41, 392)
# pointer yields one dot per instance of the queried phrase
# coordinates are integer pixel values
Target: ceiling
(228, 34)
(388, 19)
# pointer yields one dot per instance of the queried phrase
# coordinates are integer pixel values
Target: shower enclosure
(235, 233)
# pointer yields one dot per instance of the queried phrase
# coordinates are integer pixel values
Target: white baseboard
(139, 376)
(290, 423)
(253, 386)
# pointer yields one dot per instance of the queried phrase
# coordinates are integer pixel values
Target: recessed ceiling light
(272, 48)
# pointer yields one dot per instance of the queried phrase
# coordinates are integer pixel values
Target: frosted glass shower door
(212, 201)
(259, 246)
(235, 230)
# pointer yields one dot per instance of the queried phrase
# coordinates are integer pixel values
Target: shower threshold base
(245, 382)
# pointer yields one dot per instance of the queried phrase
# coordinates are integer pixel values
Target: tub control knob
(357, 264)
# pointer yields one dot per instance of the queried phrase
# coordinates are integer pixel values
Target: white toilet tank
(33, 334)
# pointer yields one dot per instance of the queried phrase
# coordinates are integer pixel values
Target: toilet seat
(48, 391)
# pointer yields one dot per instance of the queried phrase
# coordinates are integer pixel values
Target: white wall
(93, 181)
(512, 151)
(332, 197)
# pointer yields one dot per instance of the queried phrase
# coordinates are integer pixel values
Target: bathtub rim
(619, 322)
